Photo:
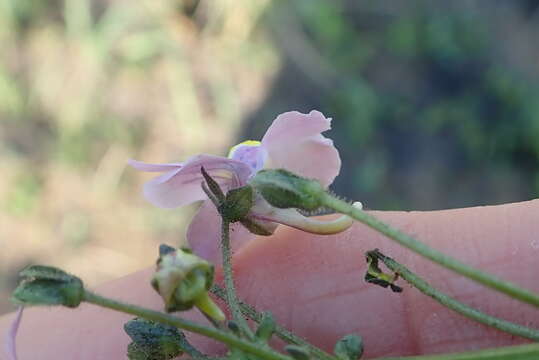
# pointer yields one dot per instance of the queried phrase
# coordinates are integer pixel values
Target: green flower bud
(45, 285)
(183, 280)
(283, 189)
(350, 347)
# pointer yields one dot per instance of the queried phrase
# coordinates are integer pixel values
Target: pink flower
(294, 142)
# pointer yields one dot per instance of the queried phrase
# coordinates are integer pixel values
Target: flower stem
(453, 304)
(192, 351)
(280, 331)
(229, 339)
(232, 299)
(519, 352)
(418, 247)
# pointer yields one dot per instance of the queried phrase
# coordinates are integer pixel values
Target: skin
(314, 286)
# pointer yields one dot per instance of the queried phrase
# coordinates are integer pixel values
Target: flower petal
(142, 166)
(294, 142)
(204, 234)
(180, 185)
(251, 153)
(11, 336)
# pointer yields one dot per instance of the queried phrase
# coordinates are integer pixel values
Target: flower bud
(46, 285)
(283, 189)
(183, 280)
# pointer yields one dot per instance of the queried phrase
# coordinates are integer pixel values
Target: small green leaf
(350, 347)
(152, 340)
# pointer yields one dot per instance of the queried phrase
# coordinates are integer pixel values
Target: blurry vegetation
(86, 85)
(434, 105)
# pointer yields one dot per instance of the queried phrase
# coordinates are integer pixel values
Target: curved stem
(453, 304)
(519, 352)
(280, 331)
(418, 247)
(230, 290)
(227, 338)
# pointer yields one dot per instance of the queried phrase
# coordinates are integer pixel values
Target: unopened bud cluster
(183, 280)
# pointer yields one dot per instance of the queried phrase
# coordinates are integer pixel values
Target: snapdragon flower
(294, 142)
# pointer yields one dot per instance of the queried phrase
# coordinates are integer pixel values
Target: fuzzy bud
(283, 189)
(183, 280)
(46, 285)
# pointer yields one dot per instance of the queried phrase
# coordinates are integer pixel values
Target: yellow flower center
(252, 143)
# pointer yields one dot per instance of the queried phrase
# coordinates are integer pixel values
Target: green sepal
(266, 327)
(350, 347)
(284, 189)
(237, 204)
(213, 185)
(255, 228)
(297, 352)
(46, 285)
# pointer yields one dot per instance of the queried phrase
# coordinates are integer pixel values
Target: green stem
(192, 351)
(431, 254)
(232, 299)
(453, 304)
(280, 331)
(520, 352)
(227, 338)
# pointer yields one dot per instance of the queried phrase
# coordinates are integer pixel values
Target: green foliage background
(434, 106)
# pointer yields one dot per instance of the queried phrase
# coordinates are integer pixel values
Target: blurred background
(434, 104)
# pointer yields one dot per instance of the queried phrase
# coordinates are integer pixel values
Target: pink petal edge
(294, 142)
(181, 183)
(148, 167)
(11, 336)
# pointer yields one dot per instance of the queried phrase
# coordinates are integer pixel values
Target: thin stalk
(280, 331)
(232, 298)
(192, 351)
(455, 305)
(418, 247)
(519, 352)
(229, 339)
